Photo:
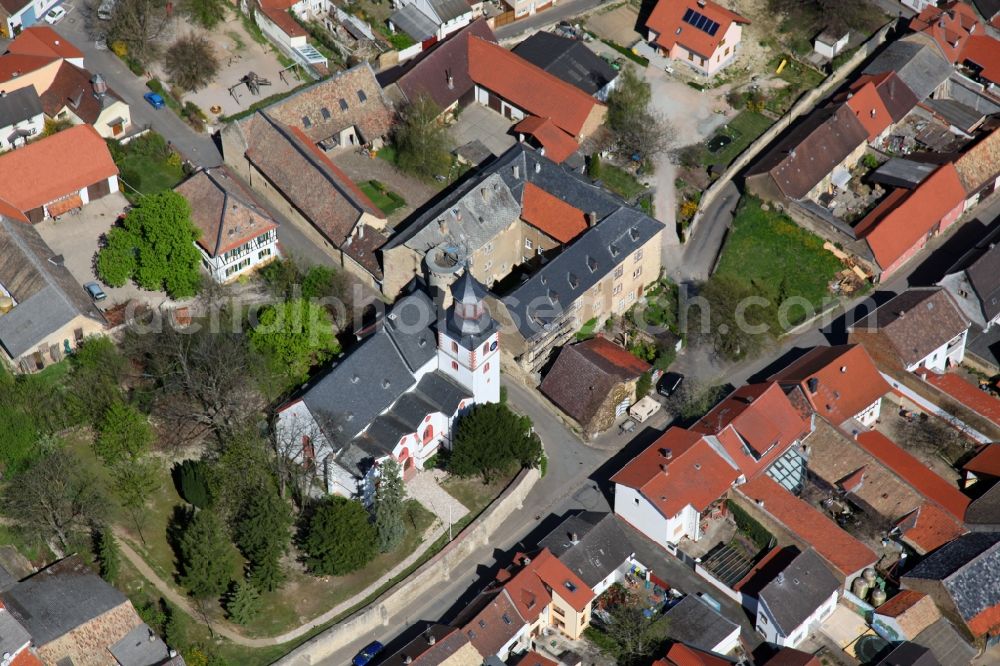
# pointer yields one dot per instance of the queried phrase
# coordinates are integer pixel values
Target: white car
(54, 15)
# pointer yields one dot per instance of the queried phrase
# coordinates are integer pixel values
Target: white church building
(398, 393)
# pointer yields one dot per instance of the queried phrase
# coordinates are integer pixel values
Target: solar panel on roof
(687, 15)
(700, 21)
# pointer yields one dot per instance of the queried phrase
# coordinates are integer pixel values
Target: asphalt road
(197, 148)
(565, 10)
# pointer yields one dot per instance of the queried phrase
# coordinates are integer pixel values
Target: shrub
(191, 478)
(749, 526)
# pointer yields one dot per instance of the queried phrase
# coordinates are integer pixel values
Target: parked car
(367, 653)
(155, 100)
(54, 15)
(95, 291)
(669, 383)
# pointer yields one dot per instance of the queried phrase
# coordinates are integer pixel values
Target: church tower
(469, 341)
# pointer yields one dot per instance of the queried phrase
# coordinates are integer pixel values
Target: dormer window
(343, 104)
(613, 249)
(306, 122)
(591, 263)
(386, 383)
(633, 233)
(574, 281)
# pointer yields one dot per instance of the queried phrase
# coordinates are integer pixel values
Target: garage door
(98, 190)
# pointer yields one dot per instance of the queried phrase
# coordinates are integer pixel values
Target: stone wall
(422, 582)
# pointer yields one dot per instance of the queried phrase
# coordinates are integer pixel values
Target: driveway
(425, 488)
(77, 238)
(198, 148)
(480, 122)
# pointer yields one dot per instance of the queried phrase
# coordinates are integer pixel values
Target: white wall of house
(83, 194)
(768, 628)
(276, 34)
(950, 353)
(245, 259)
(917, 5)
(14, 136)
(639, 512)
(889, 628)
(869, 414)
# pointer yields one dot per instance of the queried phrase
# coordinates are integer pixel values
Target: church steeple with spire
(469, 344)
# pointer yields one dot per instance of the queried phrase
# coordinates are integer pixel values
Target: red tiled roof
(867, 105)
(840, 549)
(986, 461)
(27, 658)
(534, 659)
(760, 415)
(54, 167)
(277, 11)
(984, 51)
(846, 380)
(695, 474)
(528, 593)
(901, 221)
(627, 363)
(682, 655)
(41, 40)
(551, 215)
(900, 603)
(529, 87)
(853, 481)
(487, 630)
(561, 579)
(339, 173)
(986, 621)
(932, 527)
(949, 25)
(978, 401)
(792, 657)
(666, 20)
(914, 472)
(13, 65)
(558, 144)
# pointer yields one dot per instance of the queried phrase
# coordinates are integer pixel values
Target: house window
(763, 619)
(621, 304)
(486, 348)
(727, 50)
(486, 368)
(637, 272)
(325, 112)
(362, 97)
(428, 434)
(619, 271)
(454, 365)
(690, 56)
(638, 254)
(631, 296)
(343, 104)
(617, 290)
(306, 122)
(528, 244)
(454, 347)
(636, 500)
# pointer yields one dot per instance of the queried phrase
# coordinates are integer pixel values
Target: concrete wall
(421, 582)
(801, 108)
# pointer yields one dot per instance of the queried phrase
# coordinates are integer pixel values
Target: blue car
(155, 100)
(367, 653)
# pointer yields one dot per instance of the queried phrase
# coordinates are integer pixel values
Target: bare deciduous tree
(140, 25)
(191, 62)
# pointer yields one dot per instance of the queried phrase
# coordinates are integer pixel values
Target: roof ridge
(987, 551)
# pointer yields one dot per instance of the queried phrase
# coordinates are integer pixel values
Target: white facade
(768, 628)
(950, 353)
(507, 110)
(869, 414)
(918, 5)
(641, 514)
(83, 193)
(478, 369)
(16, 135)
(245, 259)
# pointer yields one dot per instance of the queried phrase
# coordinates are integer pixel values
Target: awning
(57, 208)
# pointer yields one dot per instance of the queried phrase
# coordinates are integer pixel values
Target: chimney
(574, 538)
(666, 453)
(873, 113)
(451, 80)
(407, 659)
(591, 218)
(431, 639)
(760, 503)
(3, 93)
(517, 171)
(701, 3)
(663, 468)
(361, 231)
(813, 384)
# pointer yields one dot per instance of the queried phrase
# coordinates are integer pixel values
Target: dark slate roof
(12, 635)
(428, 74)
(694, 622)
(917, 60)
(567, 59)
(600, 545)
(950, 648)
(955, 113)
(984, 275)
(901, 172)
(985, 509)
(414, 23)
(60, 598)
(47, 295)
(18, 105)
(449, 10)
(140, 647)
(595, 254)
(909, 654)
(371, 378)
(987, 8)
(967, 568)
(531, 167)
(798, 590)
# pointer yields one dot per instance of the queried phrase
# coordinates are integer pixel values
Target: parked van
(643, 409)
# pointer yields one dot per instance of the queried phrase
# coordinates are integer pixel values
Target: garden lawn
(800, 78)
(778, 257)
(743, 130)
(473, 493)
(620, 181)
(384, 199)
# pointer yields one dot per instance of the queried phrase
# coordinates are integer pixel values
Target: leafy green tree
(242, 470)
(262, 535)
(206, 556)
(243, 602)
(739, 325)
(192, 480)
(492, 440)
(389, 497)
(339, 538)
(191, 62)
(123, 434)
(642, 385)
(294, 336)
(95, 383)
(206, 13)
(423, 144)
(55, 496)
(108, 555)
(155, 247)
(135, 481)
(594, 166)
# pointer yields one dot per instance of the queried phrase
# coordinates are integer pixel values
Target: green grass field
(386, 200)
(780, 258)
(743, 130)
(620, 181)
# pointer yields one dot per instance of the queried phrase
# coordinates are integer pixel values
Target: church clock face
(493, 346)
